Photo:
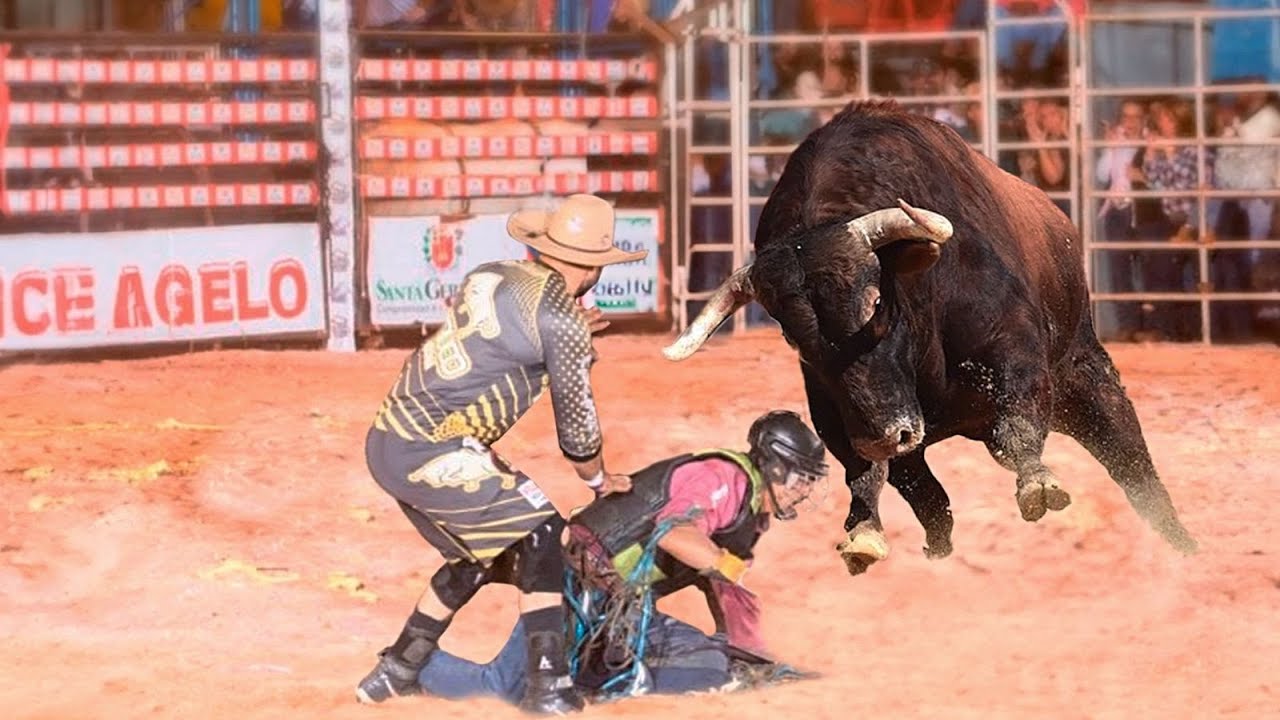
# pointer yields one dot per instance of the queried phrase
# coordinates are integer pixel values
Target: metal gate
(1213, 276)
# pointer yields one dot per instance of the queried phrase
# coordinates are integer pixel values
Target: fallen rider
(691, 520)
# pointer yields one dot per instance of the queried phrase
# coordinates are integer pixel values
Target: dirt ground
(197, 537)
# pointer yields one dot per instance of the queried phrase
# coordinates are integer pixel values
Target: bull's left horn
(890, 225)
(732, 294)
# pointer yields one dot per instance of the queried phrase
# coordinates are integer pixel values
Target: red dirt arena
(197, 536)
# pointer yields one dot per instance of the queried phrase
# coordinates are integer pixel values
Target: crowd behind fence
(455, 120)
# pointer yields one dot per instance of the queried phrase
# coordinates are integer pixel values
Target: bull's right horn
(884, 227)
(732, 294)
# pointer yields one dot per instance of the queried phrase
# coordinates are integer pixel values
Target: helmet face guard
(790, 455)
(785, 468)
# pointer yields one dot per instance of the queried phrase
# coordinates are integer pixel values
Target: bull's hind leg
(1093, 409)
(1023, 398)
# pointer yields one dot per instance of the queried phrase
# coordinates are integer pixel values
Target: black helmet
(781, 443)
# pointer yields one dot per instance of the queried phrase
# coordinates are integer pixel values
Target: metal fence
(1179, 184)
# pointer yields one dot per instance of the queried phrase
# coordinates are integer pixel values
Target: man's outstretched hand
(595, 319)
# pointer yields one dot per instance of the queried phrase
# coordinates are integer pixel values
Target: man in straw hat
(514, 329)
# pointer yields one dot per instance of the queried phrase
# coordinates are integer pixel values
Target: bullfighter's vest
(624, 522)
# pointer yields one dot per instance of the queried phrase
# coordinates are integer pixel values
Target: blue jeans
(1259, 211)
(449, 676)
(680, 659)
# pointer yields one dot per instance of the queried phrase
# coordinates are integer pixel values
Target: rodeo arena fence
(334, 183)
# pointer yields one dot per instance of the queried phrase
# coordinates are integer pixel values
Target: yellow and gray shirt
(513, 331)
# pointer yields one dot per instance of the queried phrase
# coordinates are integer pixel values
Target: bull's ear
(909, 256)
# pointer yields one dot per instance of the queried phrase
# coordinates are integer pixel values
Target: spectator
(391, 14)
(1118, 270)
(974, 114)
(1167, 166)
(1222, 116)
(1046, 122)
(1116, 170)
(1243, 167)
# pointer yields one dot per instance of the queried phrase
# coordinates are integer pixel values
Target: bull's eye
(877, 303)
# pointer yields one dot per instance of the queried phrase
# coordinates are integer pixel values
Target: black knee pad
(539, 560)
(457, 582)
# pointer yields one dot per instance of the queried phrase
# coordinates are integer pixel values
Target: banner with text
(416, 263)
(632, 287)
(155, 286)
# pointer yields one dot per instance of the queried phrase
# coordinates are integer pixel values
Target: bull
(913, 325)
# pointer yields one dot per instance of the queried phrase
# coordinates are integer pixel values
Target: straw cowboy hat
(580, 231)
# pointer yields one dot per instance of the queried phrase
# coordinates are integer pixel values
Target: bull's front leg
(911, 477)
(1023, 398)
(865, 542)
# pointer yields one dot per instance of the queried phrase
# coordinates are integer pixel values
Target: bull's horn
(732, 294)
(890, 225)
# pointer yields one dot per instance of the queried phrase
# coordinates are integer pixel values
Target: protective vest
(625, 521)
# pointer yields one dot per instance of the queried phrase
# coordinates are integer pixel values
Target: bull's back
(1048, 245)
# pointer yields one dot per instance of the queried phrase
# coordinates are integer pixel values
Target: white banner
(632, 287)
(153, 286)
(415, 264)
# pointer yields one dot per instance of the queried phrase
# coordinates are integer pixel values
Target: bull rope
(617, 623)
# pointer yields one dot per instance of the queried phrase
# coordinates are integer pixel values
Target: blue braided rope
(589, 614)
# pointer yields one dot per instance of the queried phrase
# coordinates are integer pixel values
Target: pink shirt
(715, 486)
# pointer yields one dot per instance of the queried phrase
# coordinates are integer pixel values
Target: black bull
(969, 318)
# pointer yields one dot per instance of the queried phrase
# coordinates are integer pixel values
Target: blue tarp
(1240, 48)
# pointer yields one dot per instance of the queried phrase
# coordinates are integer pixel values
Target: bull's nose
(899, 438)
(903, 437)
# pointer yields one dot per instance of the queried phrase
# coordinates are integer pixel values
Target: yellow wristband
(731, 567)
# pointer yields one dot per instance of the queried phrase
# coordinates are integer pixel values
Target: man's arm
(688, 545)
(704, 497)
(566, 351)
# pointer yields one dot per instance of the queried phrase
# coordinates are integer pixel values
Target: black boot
(550, 690)
(391, 677)
(396, 673)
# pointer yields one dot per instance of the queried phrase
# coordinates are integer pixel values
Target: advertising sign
(632, 287)
(149, 286)
(416, 264)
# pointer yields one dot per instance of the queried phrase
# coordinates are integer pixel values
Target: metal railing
(1126, 272)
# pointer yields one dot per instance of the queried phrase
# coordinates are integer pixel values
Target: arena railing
(1217, 280)
(1013, 109)
(147, 200)
(455, 130)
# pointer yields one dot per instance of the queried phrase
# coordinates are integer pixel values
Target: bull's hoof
(1036, 497)
(856, 564)
(937, 548)
(864, 546)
